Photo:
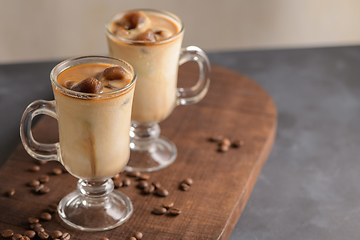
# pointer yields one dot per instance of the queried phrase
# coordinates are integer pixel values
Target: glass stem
(95, 192)
(143, 135)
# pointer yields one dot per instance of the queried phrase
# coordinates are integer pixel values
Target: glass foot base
(159, 155)
(95, 216)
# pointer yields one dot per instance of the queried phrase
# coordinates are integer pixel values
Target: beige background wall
(35, 30)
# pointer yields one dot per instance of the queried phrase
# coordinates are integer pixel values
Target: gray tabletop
(309, 188)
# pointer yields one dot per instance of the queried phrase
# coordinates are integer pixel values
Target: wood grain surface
(235, 107)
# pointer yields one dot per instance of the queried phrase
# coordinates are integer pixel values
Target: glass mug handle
(39, 151)
(197, 92)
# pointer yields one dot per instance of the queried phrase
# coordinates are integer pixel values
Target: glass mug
(156, 92)
(91, 147)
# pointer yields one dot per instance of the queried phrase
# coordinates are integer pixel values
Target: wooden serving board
(235, 107)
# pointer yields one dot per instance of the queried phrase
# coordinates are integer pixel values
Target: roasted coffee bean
(159, 210)
(126, 182)
(34, 183)
(225, 141)
(188, 181)
(168, 205)
(44, 178)
(174, 211)
(147, 36)
(115, 73)
(30, 233)
(237, 143)
(142, 184)
(52, 208)
(65, 236)
(35, 225)
(44, 190)
(144, 177)
(16, 236)
(39, 229)
(132, 238)
(184, 187)
(57, 171)
(138, 235)
(88, 85)
(56, 234)
(7, 233)
(156, 184)
(25, 238)
(117, 176)
(223, 148)
(149, 189)
(45, 216)
(162, 192)
(43, 235)
(104, 238)
(133, 174)
(34, 168)
(32, 220)
(216, 138)
(11, 192)
(38, 188)
(118, 183)
(42, 162)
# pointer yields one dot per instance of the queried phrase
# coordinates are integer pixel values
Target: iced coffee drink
(93, 129)
(150, 41)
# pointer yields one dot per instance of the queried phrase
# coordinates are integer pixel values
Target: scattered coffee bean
(118, 183)
(45, 216)
(133, 174)
(216, 138)
(138, 235)
(57, 171)
(184, 187)
(34, 183)
(104, 238)
(38, 188)
(32, 220)
(159, 210)
(16, 236)
(30, 233)
(25, 238)
(223, 148)
(237, 143)
(149, 189)
(174, 211)
(132, 238)
(156, 184)
(11, 192)
(126, 182)
(168, 205)
(188, 181)
(65, 236)
(52, 208)
(44, 178)
(7, 233)
(162, 192)
(39, 229)
(44, 190)
(34, 168)
(56, 234)
(142, 184)
(35, 225)
(144, 177)
(225, 141)
(43, 235)
(116, 176)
